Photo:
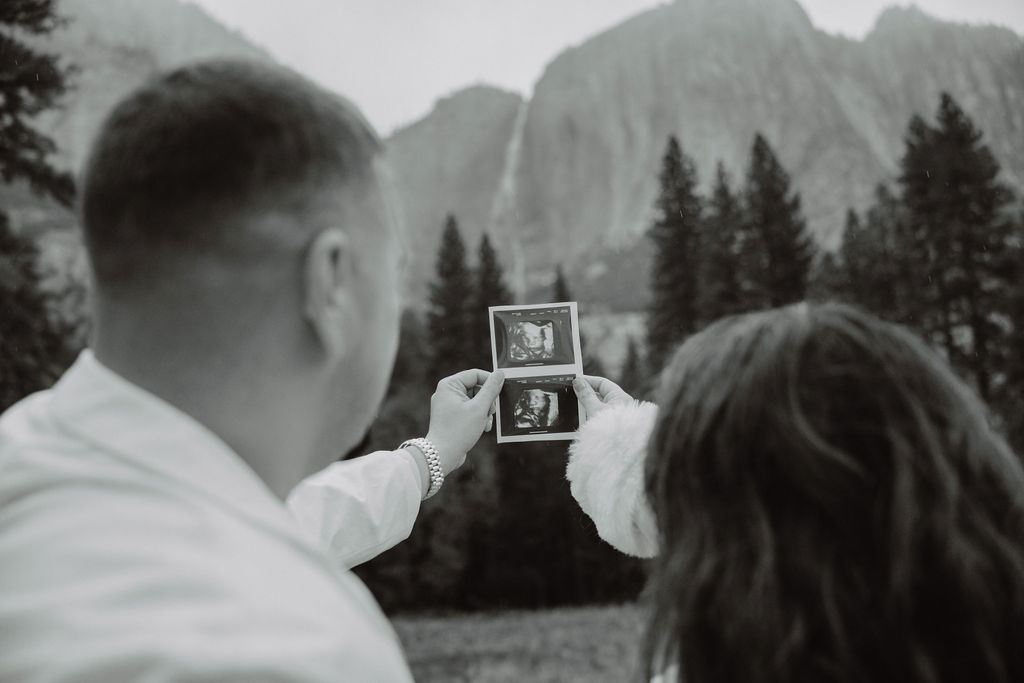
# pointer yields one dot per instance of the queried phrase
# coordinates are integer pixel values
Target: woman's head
(833, 506)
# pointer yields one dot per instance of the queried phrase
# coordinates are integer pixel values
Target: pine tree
(490, 291)
(859, 254)
(482, 471)
(437, 565)
(408, 371)
(31, 82)
(32, 348)
(633, 377)
(872, 263)
(560, 292)
(827, 280)
(560, 288)
(448, 321)
(720, 291)
(1012, 399)
(961, 248)
(674, 273)
(547, 557)
(777, 229)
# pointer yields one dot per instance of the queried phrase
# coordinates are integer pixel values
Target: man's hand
(598, 393)
(460, 410)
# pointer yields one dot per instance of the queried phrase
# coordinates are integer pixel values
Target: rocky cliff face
(115, 45)
(714, 72)
(453, 161)
(570, 175)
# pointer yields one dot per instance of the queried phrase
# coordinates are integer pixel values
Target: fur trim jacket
(606, 476)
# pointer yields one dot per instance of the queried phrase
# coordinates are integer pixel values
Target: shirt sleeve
(606, 476)
(361, 507)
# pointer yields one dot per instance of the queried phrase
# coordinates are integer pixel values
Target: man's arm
(361, 507)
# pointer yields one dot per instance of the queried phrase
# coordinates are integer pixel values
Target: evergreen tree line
(733, 251)
(34, 340)
(942, 252)
(504, 531)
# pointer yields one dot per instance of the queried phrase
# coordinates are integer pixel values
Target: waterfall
(504, 223)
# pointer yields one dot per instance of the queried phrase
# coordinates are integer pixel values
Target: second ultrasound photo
(538, 408)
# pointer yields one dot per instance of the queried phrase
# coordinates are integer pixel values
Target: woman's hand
(598, 393)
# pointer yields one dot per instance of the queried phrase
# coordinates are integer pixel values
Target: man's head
(235, 217)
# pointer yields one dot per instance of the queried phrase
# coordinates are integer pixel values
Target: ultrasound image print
(531, 336)
(536, 408)
(531, 340)
(538, 348)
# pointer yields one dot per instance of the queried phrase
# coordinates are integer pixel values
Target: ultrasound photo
(538, 408)
(534, 336)
(538, 348)
(531, 340)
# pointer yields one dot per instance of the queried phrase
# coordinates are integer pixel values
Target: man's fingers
(491, 388)
(585, 393)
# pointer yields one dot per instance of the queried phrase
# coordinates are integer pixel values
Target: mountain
(714, 72)
(114, 46)
(569, 176)
(452, 161)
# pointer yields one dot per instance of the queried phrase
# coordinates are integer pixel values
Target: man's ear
(328, 294)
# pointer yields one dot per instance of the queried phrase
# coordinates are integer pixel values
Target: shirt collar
(126, 421)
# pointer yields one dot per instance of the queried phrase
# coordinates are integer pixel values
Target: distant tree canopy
(33, 347)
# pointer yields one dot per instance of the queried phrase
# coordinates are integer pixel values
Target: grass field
(580, 645)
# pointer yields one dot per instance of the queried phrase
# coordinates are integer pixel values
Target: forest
(940, 251)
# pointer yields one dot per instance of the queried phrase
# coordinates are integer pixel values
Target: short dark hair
(833, 505)
(193, 149)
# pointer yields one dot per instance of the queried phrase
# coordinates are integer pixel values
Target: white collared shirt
(135, 545)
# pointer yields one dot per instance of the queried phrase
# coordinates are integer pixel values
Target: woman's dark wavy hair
(833, 505)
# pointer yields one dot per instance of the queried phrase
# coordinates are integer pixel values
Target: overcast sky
(395, 58)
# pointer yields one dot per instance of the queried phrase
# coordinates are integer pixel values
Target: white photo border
(538, 371)
(541, 369)
(540, 434)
